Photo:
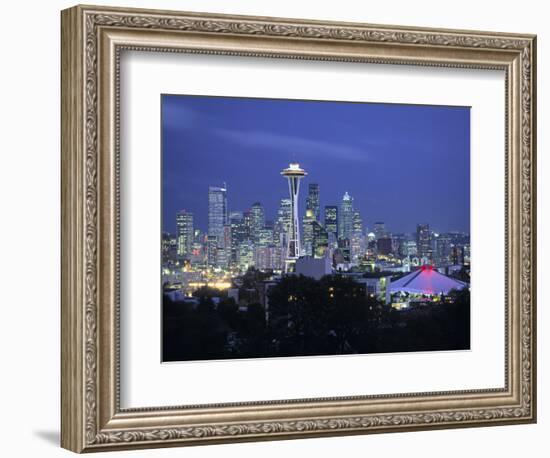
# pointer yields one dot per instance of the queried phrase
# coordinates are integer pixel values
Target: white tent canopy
(426, 280)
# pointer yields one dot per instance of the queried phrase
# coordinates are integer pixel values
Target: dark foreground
(305, 317)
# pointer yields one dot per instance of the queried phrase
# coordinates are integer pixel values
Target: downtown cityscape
(327, 239)
(312, 276)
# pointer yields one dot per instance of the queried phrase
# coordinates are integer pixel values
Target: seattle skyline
(346, 147)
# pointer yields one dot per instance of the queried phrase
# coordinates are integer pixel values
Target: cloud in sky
(271, 141)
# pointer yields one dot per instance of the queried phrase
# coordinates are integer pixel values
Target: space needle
(293, 174)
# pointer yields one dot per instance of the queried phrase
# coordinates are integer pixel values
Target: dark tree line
(308, 317)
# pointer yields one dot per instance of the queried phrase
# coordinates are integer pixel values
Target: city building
(212, 250)
(424, 241)
(380, 231)
(314, 268)
(397, 244)
(282, 223)
(331, 219)
(245, 255)
(169, 249)
(264, 237)
(247, 221)
(238, 233)
(307, 233)
(185, 233)
(268, 257)
(346, 217)
(217, 211)
(293, 174)
(409, 248)
(320, 240)
(312, 200)
(441, 246)
(257, 220)
(384, 246)
(377, 286)
(357, 237)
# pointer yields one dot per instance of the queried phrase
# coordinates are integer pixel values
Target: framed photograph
(278, 228)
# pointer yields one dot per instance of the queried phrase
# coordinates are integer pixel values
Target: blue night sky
(402, 164)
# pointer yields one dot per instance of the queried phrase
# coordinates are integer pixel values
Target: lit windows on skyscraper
(307, 233)
(346, 217)
(319, 240)
(257, 220)
(245, 255)
(357, 237)
(238, 233)
(185, 233)
(331, 219)
(312, 201)
(217, 211)
(424, 241)
(282, 224)
(212, 250)
(265, 237)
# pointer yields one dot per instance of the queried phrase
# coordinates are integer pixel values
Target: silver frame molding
(92, 40)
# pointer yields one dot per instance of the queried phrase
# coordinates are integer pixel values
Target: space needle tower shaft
(293, 174)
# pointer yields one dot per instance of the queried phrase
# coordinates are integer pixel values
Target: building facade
(185, 233)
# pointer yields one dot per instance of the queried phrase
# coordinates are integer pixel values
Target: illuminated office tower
(185, 234)
(312, 200)
(238, 233)
(307, 233)
(357, 239)
(212, 247)
(282, 224)
(346, 217)
(331, 219)
(169, 249)
(245, 255)
(257, 220)
(265, 237)
(217, 211)
(320, 240)
(224, 252)
(293, 174)
(424, 241)
(247, 221)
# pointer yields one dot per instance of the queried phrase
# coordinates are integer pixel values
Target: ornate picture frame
(92, 41)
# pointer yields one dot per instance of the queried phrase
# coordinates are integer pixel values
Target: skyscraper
(424, 240)
(293, 174)
(238, 233)
(312, 201)
(319, 240)
(282, 224)
(331, 219)
(284, 214)
(357, 237)
(346, 217)
(185, 234)
(247, 222)
(212, 250)
(307, 234)
(217, 211)
(380, 231)
(257, 220)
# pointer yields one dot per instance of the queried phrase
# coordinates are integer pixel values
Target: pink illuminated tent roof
(426, 280)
